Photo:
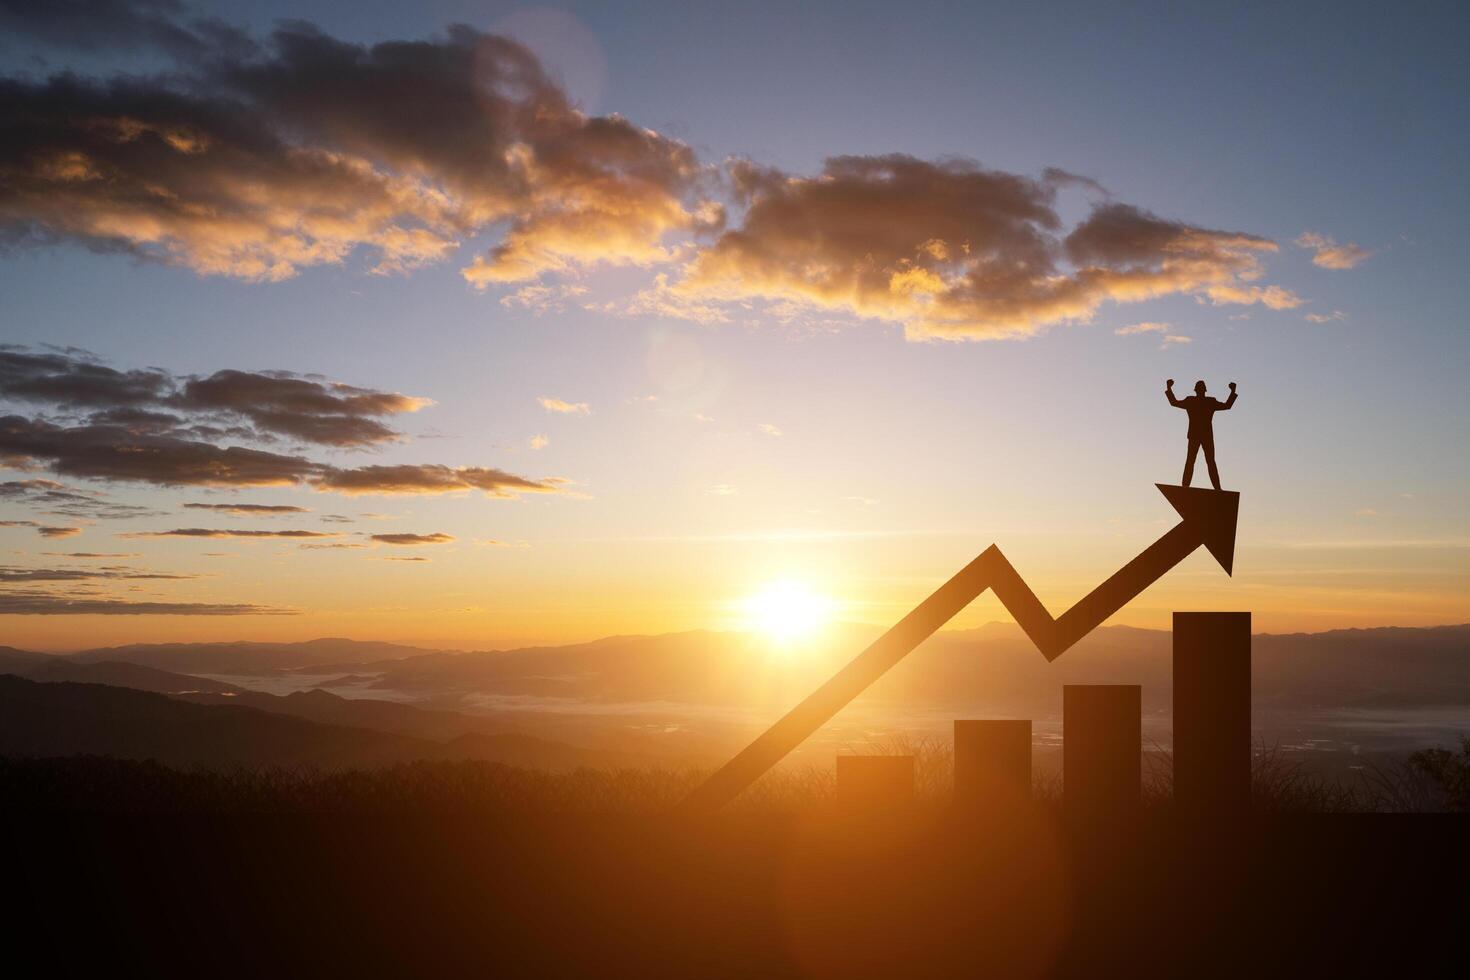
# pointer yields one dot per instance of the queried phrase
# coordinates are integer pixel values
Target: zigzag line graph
(1207, 519)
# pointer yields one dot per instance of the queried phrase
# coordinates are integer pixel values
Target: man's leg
(1189, 460)
(1209, 445)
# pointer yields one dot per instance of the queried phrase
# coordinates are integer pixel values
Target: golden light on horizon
(786, 609)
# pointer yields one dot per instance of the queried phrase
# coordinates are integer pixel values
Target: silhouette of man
(1201, 411)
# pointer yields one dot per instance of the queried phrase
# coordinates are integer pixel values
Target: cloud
(397, 558)
(723, 490)
(48, 531)
(563, 407)
(280, 403)
(11, 573)
(1325, 317)
(953, 250)
(153, 402)
(437, 537)
(1274, 297)
(91, 554)
(539, 442)
(1174, 339)
(257, 159)
(1330, 255)
(251, 510)
(1137, 328)
(97, 430)
(432, 479)
(113, 452)
(769, 429)
(59, 500)
(35, 603)
(214, 532)
(539, 299)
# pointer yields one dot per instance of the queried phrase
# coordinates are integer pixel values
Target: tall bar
(992, 765)
(1212, 714)
(1102, 751)
(869, 781)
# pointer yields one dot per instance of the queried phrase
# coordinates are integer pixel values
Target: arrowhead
(1212, 513)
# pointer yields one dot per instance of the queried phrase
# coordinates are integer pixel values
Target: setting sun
(786, 610)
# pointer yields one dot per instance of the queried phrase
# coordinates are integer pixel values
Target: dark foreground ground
(914, 894)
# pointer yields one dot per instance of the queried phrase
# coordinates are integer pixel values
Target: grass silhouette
(98, 784)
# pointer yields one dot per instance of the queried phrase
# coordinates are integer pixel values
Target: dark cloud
(213, 532)
(109, 452)
(10, 573)
(431, 479)
(256, 161)
(37, 603)
(44, 530)
(75, 380)
(182, 446)
(58, 500)
(91, 554)
(437, 537)
(285, 404)
(249, 510)
(227, 403)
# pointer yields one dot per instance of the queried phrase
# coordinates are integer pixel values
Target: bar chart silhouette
(1207, 519)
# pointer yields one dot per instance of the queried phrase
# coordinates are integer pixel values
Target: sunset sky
(566, 322)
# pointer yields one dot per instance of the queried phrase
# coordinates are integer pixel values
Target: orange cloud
(1330, 255)
(255, 161)
(951, 250)
(564, 407)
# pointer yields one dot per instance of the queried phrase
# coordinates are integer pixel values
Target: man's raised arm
(1231, 400)
(1169, 392)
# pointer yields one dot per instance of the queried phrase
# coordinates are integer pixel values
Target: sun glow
(787, 610)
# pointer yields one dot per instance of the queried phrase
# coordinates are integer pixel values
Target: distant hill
(11, 658)
(119, 674)
(329, 709)
(248, 658)
(65, 718)
(993, 667)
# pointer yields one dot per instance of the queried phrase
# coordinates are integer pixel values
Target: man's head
(1199, 387)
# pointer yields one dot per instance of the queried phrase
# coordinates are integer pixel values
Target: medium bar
(1102, 751)
(992, 765)
(875, 780)
(1212, 714)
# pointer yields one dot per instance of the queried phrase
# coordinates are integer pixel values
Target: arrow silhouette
(1207, 518)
